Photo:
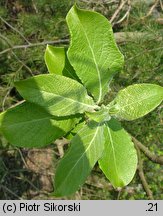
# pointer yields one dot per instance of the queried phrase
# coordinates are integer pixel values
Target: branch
(154, 158)
(9, 25)
(11, 48)
(123, 2)
(61, 41)
(123, 37)
(144, 52)
(60, 144)
(9, 191)
(161, 4)
(142, 176)
(126, 14)
(151, 9)
(120, 37)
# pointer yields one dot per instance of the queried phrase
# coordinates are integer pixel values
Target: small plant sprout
(69, 102)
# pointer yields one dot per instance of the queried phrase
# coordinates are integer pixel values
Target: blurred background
(26, 26)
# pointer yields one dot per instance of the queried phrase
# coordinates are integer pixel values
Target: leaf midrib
(30, 121)
(80, 156)
(66, 98)
(113, 150)
(97, 68)
(142, 99)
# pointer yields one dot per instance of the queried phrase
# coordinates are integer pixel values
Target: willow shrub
(69, 101)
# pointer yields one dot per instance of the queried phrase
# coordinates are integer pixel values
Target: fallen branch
(144, 52)
(151, 9)
(161, 4)
(60, 144)
(123, 37)
(25, 46)
(14, 29)
(120, 37)
(126, 14)
(17, 58)
(154, 158)
(123, 2)
(10, 192)
(142, 176)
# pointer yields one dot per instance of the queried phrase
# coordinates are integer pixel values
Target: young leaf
(29, 125)
(59, 95)
(100, 116)
(137, 100)
(93, 52)
(119, 159)
(86, 148)
(57, 62)
(55, 59)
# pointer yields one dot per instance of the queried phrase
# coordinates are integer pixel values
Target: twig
(17, 58)
(119, 194)
(161, 4)
(60, 143)
(126, 14)
(159, 21)
(34, 6)
(4, 99)
(123, 2)
(23, 64)
(142, 176)
(119, 36)
(11, 192)
(145, 51)
(9, 25)
(123, 37)
(6, 40)
(22, 157)
(154, 158)
(151, 9)
(110, 2)
(18, 103)
(61, 41)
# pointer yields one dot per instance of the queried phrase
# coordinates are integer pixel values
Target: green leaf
(93, 52)
(55, 59)
(57, 62)
(75, 130)
(86, 148)
(29, 125)
(59, 95)
(119, 159)
(137, 100)
(100, 116)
